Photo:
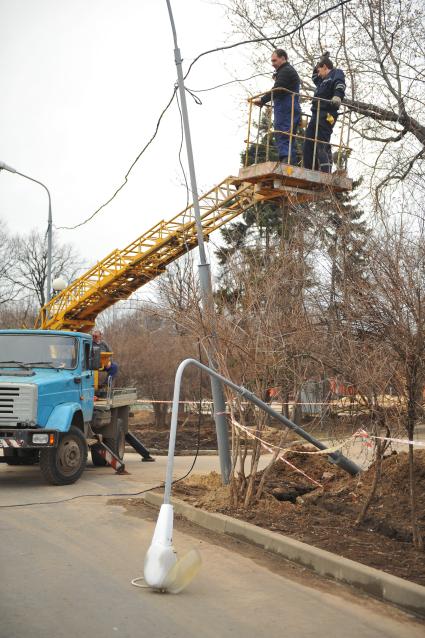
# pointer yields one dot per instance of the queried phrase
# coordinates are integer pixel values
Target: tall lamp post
(5, 167)
(204, 272)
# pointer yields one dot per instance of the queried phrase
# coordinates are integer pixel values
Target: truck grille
(18, 403)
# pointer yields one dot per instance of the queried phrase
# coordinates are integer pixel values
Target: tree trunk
(414, 390)
(417, 538)
(297, 412)
(256, 452)
(160, 411)
(379, 453)
(266, 471)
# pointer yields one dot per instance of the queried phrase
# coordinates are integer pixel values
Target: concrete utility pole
(5, 167)
(204, 274)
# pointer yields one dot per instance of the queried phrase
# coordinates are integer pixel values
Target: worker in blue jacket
(330, 88)
(286, 105)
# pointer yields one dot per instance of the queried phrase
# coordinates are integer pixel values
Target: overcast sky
(82, 83)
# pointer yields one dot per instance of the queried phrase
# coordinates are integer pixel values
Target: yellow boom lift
(122, 272)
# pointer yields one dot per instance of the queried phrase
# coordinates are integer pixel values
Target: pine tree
(252, 235)
(343, 235)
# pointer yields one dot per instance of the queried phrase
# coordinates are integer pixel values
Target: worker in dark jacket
(99, 345)
(329, 93)
(286, 105)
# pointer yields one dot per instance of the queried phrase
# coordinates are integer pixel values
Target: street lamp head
(59, 284)
(163, 571)
(5, 167)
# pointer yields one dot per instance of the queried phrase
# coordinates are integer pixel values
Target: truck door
(87, 383)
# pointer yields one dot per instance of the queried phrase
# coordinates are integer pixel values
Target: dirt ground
(325, 516)
(155, 438)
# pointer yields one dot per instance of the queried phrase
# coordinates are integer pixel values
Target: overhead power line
(146, 146)
(279, 36)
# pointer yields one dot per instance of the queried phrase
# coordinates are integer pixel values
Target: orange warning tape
(280, 457)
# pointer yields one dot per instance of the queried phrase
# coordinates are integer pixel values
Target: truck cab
(48, 411)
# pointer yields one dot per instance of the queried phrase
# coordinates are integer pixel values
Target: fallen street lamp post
(162, 570)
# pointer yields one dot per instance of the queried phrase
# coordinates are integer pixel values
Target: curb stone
(377, 583)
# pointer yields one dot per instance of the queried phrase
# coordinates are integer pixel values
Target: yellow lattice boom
(122, 272)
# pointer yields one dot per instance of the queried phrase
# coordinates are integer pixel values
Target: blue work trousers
(112, 371)
(282, 122)
(320, 151)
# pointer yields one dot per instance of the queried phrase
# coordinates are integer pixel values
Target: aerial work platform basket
(290, 179)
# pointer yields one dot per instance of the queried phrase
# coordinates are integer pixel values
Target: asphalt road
(66, 572)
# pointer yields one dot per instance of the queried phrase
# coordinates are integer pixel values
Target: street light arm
(5, 167)
(32, 180)
(49, 236)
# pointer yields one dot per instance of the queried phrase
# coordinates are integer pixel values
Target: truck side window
(86, 362)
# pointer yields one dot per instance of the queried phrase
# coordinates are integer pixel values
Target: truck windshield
(40, 350)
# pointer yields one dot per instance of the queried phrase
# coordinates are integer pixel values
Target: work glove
(336, 101)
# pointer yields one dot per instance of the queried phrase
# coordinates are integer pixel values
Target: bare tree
(19, 313)
(388, 309)
(8, 290)
(29, 271)
(178, 291)
(148, 354)
(262, 331)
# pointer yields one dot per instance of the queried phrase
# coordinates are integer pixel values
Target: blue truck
(49, 413)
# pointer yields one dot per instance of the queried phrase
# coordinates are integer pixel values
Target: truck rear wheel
(97, 459)
(65, 463)
(116, 444)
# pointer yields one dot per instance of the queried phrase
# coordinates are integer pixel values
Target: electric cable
(74, 498)
(109, 494)
(196, 99)
(279, 36)
(187, 253)
(135, 583)
(219, 86)
(180, 157)
(163, 112)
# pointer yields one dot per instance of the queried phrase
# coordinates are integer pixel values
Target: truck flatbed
(119, 397)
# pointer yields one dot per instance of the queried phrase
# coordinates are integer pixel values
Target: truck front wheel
(65, 463)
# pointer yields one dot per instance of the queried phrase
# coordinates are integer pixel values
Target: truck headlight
(40, 439)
